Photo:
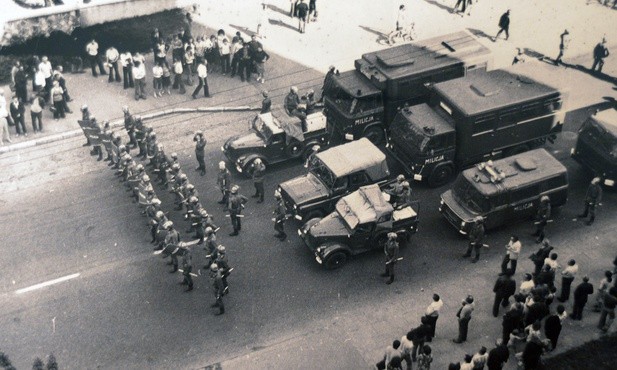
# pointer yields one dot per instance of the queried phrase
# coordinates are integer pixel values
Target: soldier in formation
(235, 206)
(200, 152)
(219, 288)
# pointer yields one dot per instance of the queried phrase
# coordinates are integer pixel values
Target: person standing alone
(504, 25)
(593, 197)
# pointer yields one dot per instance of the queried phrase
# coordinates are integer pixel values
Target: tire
(375, 134)
(247, 170)
(295, 149)
(313, 214)
(335, 260)
(441, 175)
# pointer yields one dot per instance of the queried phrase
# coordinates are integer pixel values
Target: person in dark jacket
(539, 257)
(266, 103)
(552, 326)
(21, 84)
(504, 25)
(17, 111)
(419, 336)
(259, 170)
(532, 353)
(511, 320)
(504, 288)
(476, 238)
(600, 51)
(498, 356)
(593, 197)
(581, 294)
(608, 310)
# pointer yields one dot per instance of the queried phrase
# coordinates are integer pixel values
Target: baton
(190, 273)
(539, 222)
(159, 251)
(396, 260)
(240, 216)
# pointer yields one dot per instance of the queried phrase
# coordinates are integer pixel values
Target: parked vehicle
(363, 102)
(476, 118)
(505, 190)
(360, 223)
(332, 174)
(275, 137)
(596, 146)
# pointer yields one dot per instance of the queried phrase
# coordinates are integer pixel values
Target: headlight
(463, 223)
(572, 151)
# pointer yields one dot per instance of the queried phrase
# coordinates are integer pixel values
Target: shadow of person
(440, 5)
(246, 30)
(278, 9)
(382, 37)
(480, 33)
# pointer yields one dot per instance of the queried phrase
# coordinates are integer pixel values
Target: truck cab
(275, 137)
(364, 101)
(359, 223)
(332, 174)
(596, 146)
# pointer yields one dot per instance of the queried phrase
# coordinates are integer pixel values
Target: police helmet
(159, 214)
(156, 201)
(174, 155)
(209, 230)
(161, 147)
(122, 148)
(203, 213)
(214, 267)
(168, 225)
(193, 199)
(146, 178)
(257, 160)
(190, 187)
(405, 184)
(400, 178)
(478, 219)
(175, 167)
(183, 177)
(84, 107)
(544, 199)
(221, 249)
(596, 180)
(234, 189)
(92, 117)
(153, 135)
(221, 165)
(125, 108)
(392, 236)
(294, 89)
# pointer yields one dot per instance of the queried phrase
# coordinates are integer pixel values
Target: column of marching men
(153, 166)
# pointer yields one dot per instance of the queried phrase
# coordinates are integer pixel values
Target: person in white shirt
(552, 262)
(46, 68)
(225, 52)
(39, 82)
(4, 123)
(432, 314)
(113, 57)
(479, 359)
(92, 49)
(391, 351)
(157, 79)
(178, 81)
(139, 74)
(202, 74)
(567, 277)
(126, 59)
(406, 349)
(527, 285)
(513, 249)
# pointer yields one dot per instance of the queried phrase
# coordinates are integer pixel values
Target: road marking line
(47, 283)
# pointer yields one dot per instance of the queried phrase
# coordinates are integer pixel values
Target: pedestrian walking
(581, 294)
(476, 238)
(593, 197)
(391, 351)
(280, 215)
(259, 171)
(302, 10)
(608, 310)
(504, 288)
(36, 113)
(92, 49)
(602, 290)
(552, 326)
(464, 316)
(126, 59)
(543, 215)
(513, 250)
(564, 42)
(600, 51)
(113, 56)
(235, 206)
(139, 75)
(498, 356)
(425, 358)
(432, 314)
(504, 25)
(391, 249)
(260, 57)
(224, 183)
(219, 288)
(479, 359)
(17, 110)
(200, 151)
(202, 75)
(567, 277)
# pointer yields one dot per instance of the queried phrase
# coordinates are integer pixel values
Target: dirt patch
(598, 354)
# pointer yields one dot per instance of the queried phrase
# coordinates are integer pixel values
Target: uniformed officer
(259, 170)
(85, 116)
(172, 241)
(211, 245)
(172, 175)
(193, 208)
(476, 237)
(187, 268)
(223, 265)
(396, 189)
(96, 129)
(152, 148)
(404, 197)
(177, 187)
(129, 125)
(223, 180)
(235, 206)
(140, 136)
(391, 251)
(542, 216)
(310, 101)
(292, 100)
(266, 103)
(280, 215)
(144, 188)
(198, 225)
(593, 197)
(152, 208)
(200, 152)
(161, 232)
(106, 137)
(219, 288)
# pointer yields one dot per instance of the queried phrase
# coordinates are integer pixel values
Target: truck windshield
(411, 134)
(599, 138)
(350, 105)
(322, 172)
(466, 194)
(262, 129)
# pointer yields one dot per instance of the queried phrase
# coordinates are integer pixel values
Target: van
(504, 191)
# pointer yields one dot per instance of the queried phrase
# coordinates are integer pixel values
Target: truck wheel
(335, 260)
(375, 135)
(295, 149)
(441, 175)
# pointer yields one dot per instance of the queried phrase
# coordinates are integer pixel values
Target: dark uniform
(223, 180)
(542, 217)
(219, 290)
(476, 238)
(210, 248)
(129, 126)
(235, 206)
(187, 267)
(171, 244)
(391, 251)
(599, 53)
(504, 288)
(140, 136)
(259, 171)
(266, 103)
(200, 152)
(280, 215)
(224, 269)
(592, 198)
(581, 294)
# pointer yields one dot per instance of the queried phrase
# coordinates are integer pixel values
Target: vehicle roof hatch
(484, 90)
(489, 173)
(526, 164)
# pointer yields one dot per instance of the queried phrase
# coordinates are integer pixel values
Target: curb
(120, 123)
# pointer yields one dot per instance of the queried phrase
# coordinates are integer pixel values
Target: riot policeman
(593, 197)
(210, 245)
(200, 152)
(187, 268)
(542, 216)
(391, 251)
(140, 135)
(476, 238)
(219, 288)
(97, 129)
(223, 181)
(172, 241)
(178, 189)
(223, 265)
(259, 170)
(129, 126)
(395, 190)
(280, 215)
(235, 206)
(106, 138)
(85, 116)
